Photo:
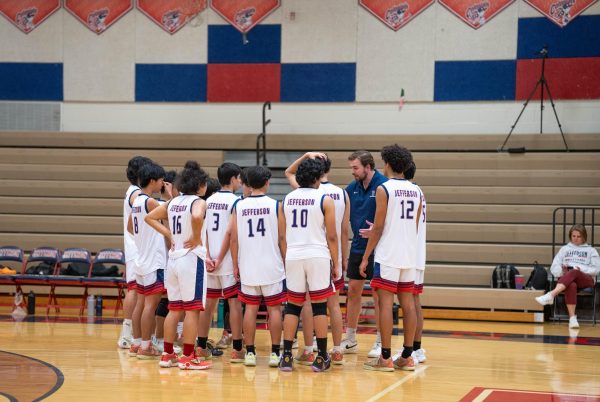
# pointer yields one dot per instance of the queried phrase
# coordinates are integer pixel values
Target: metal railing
(565, 217)
(261, 140)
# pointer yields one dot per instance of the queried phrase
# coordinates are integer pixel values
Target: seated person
(577, 263)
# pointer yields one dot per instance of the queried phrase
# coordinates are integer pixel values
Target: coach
(362, 211)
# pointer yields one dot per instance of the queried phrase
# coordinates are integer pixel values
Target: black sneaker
(321, 364)
(286, 363)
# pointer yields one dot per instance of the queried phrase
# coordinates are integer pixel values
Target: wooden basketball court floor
(70, 359)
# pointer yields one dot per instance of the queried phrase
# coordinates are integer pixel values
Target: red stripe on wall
(244, 82)
(576, 78)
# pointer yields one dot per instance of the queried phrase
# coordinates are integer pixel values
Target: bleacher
(484, 207)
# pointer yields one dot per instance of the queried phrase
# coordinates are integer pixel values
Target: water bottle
(99, 306)
(31, 303)
(90, 305)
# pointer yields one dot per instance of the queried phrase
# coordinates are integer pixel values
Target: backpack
(504, 276)
(43, 268)
(99, 269)
(538, 279)
(76, 269)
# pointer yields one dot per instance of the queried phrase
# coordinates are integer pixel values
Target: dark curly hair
(309, 172)
(192, 177)
(149, 172)
(409, 173)
(133, 168)
(258, 176)
(244, 176)
(398, 157)
(212, 186)
(326, 163)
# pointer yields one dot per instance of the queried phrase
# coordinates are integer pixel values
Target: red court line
(481, 394)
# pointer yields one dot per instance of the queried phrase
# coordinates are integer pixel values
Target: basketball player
(132, 172)
(311, 259)
(167, 192)
(221, 282)
(258, 251)
(361, 193)
(186, 277)
(342, 217)
(150, 264)
(394, 239)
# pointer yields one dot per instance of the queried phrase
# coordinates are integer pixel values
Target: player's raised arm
(290, 172)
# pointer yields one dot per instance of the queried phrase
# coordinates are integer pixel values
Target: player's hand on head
(314, 155)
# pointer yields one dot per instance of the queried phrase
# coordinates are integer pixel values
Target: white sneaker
(573, 322)
(124, 343)
(250, 359)
(274, 360)
(349, 346)
(315, 346)
(375, 350)
(158, 344)
(419, 355)
(545, 299)
(178, 350)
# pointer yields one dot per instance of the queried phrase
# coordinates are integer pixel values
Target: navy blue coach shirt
(362, 208)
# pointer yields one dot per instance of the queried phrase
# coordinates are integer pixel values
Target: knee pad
(319, 309)
(293, 309)
(162, 309)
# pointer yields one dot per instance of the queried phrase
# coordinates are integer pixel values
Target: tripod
(543, 83)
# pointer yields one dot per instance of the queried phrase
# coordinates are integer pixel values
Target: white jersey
(150, 244)
(339, 200)
(180, 223)
(259, 257)
(398, 244)
(305, 224)
(422, 233)
(129, 247)
(218, 213)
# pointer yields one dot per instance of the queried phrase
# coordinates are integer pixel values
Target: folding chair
(12, 254)
(109, 256)
(41, 254)
(581, 293)
(69, 255)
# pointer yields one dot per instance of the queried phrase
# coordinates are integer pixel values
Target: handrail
(262, 137)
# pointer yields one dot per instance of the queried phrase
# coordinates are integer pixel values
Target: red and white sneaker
(192, 363)
(133, 350)
(337, 357)
(148, 354)
(407, 364)
(168, 360)
(237, 356)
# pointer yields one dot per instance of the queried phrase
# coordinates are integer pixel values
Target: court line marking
(483, 395)
(395, 385)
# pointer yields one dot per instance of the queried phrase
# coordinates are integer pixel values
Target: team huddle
(201, 243)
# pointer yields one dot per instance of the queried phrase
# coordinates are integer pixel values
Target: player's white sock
(351, 334)
(308, 349)
(378, 337)
(337, 349)
(137, 341)
(145, 344)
